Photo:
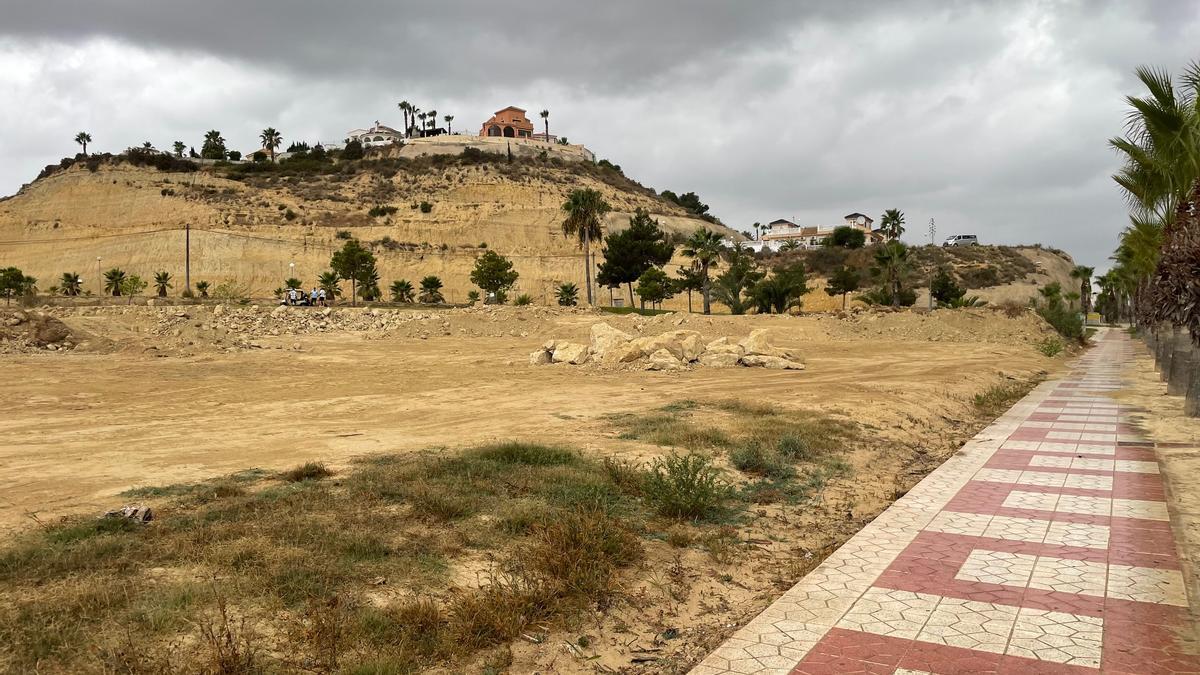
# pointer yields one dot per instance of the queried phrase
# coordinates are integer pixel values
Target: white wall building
(375, 136)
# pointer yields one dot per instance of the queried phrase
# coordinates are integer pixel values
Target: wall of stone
(521, 147)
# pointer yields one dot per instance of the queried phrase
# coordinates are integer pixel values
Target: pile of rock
(29, 330)
(673, 350)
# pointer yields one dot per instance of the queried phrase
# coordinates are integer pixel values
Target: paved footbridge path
(1044, 546)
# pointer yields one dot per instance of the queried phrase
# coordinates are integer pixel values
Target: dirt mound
(943, 325)
(26, 330)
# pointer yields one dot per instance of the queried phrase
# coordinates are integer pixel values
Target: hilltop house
(375, 136)
(780, 232)
(508, 122)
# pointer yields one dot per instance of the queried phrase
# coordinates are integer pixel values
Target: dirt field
(157, 396)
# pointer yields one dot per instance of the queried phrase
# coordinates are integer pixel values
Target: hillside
(249, 225)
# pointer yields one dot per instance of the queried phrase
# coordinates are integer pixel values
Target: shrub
(426, 207)
(343, 234)
(307, 471)
(523, 299)
(380, 210)
(793, 447)
(577, 553)
(753, 458)
(1050, 347)
(289, 214)
(686, 486)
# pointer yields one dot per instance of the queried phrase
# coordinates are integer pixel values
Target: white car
(961, 240)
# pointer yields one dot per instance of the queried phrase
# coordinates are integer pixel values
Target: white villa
(375, 136)
(779, 232)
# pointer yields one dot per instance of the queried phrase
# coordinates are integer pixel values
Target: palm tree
(1161, 181)
(71, 283)
(432, 119)
(83, 138)
(405, 106)
(202, 288)
(705, 247)
(892, 260)
(114, 281)
(423, 125)
(1084, 275)
(568, 294)
(585, 208)
(892, 224)
(449, 119)
(402, 291)
(179, 146)
(757, 231)
(271, 139)
(328, 281)
(545, 114)
(431, 290)
(790, 245)
(162, 281)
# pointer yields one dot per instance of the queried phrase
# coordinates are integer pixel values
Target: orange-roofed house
(509, 122)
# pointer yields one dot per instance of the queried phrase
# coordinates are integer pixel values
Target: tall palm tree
(585, 208)
(83, 138)
(892, 224)
(892, 260)
(1161, 181)
(179, 147)
(71, 283)
(449, 119)
(405, 106)
(1084, 275)
(705, 248)
(114, 281)
(271, 139)
(432, 119)
(423, 125)
(162, 282)
(545, 114)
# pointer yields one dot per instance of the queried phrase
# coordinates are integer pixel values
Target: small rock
(663, 359)
(772, 362)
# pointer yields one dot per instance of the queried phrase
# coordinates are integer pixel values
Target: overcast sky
(990, 117)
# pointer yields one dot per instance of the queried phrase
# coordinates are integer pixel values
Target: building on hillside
(543, 137)
(508, 122)
(375, 136)
(777, 233)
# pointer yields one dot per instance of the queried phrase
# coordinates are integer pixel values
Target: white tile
(1043, 478)
(1135, 466)
(1063, 435)
(1091, 463)
(882, 611)
(1144, 584)
(1084, 535)
(950, 522)
(1057, 636)
(997, 475)
(997, 567)
(1041, 501)
(1137, 508)
(982, 626)
(1085, 481)
(1069, 576)
(1017, 529)
(1053, 461)
(1092, 506)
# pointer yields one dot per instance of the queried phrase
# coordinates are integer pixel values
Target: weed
(306, 471)
(1050, 347)
(997, 398)
(686, 486)
(753, 458)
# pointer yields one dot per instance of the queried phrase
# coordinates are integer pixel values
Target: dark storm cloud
(990, 116)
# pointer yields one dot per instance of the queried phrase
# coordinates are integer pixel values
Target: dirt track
(79, 428)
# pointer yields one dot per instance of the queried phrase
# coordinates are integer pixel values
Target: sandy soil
(1162, 420)
(151, 409)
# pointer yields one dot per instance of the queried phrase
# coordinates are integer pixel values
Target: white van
(961, 240)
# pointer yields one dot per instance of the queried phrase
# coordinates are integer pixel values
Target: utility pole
(187, 257)
(932, 242)
(99, 279)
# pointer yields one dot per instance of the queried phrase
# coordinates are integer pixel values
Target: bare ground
(81, 428)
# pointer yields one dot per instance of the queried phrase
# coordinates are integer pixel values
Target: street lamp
(932, 242)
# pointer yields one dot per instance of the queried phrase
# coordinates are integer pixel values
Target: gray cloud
(989, 116)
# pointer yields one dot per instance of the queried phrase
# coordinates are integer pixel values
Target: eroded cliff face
(253, 229)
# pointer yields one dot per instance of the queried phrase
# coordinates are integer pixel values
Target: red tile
(839, 643)
(946, 659)
(1017, 665)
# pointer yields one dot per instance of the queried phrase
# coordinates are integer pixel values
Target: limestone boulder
(719, 360)
(607, 341)
(570, 352)
(772, 362)
(663, 359)
(540, 357)
(758, 344)
(684, 345)
(724, 345)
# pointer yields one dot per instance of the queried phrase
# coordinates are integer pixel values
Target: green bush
(686, 486)
(380, 210)
(755, 459)
(523, 299)
(426, 207)
(1050, 347)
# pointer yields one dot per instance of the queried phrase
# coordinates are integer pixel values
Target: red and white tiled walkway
(1043, 546)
